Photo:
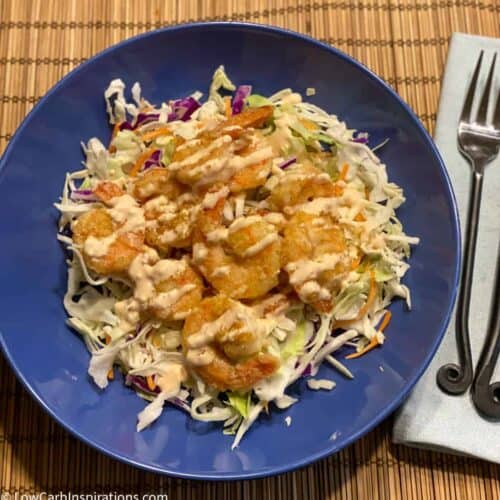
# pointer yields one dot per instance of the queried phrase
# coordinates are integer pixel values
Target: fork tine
(496, 114)
(483, 106)
(466, 110)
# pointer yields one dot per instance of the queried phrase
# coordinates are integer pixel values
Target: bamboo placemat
(405, 42)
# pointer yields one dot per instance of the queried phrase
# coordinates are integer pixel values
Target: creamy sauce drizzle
(208, 331)
(260, 245)
(211, 199)
(221, 271)
(217, 235)
(307, 270)
(200, 356)
(200, 154)
(242, 222)
(98, 247)
(165, 300)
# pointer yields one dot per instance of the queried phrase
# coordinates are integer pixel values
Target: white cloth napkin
(431, 419)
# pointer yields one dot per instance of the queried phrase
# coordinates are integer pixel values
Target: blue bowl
(51, 360)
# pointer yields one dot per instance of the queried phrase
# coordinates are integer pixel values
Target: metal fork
(479, 142)
(486, 395)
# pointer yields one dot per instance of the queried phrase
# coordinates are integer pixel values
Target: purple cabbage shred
(140, 383)
(83, 195)
(182, 109)
(287, 163)
(361, 140)
(307, 371)
(141, 119)
(242, 92)
(153, 161)
(126, 126)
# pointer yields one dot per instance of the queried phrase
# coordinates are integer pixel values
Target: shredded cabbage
(97, 158)
(256, 101)
(220, 81)
(240, 402)
(153, 410)
(295, 343)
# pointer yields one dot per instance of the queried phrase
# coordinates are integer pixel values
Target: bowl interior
(52, 360)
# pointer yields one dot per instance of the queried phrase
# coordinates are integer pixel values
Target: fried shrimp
(156, 182)
(242, 260)
(177, 294)
(202, 157)
(232, 152)
(169, 224)
(111, 237)
(252, 175)
(167, 289)
(225, 344)
(250, 118)
(300, 185)
(314, 257)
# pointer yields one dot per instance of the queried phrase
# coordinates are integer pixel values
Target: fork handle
(456, 378)
(486, 396)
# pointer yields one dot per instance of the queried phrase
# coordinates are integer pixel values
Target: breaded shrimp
(242, 260)
(156, 182)
(313, 256)
(178, 295)
(250, 118)
(225, 343)
(168, 289)
(105, 250)
(254, 174)
(202, 157)
(300, 185)
(170, 223)
(229, 153)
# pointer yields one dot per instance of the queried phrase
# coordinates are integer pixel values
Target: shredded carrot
(367, 193)
(149, 136)
(227, 106)
(385, 321)
(140, 162)
(355, 263)
(360, 217)
(371, 296)
(338, 190)
(373, 343)
(150, 382)
(343, 172)
(111, 373)
(308, 124)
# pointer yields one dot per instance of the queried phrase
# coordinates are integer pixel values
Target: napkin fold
(430, 418)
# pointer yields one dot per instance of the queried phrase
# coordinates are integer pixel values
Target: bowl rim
(399, 397)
